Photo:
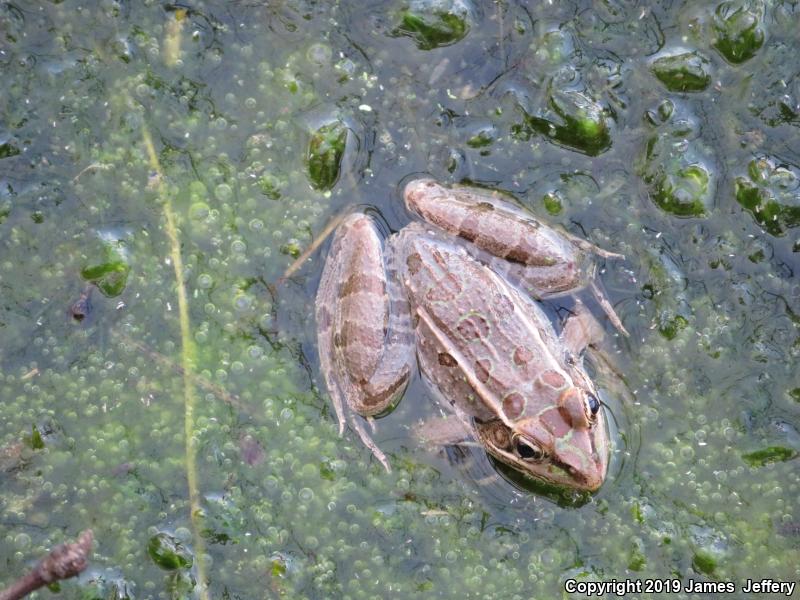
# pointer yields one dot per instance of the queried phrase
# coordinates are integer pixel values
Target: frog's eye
(527, 450)
(592, 407)
(593, 403)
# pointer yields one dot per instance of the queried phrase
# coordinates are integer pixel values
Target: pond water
(179, 412)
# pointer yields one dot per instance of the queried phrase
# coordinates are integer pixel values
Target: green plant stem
(188, 364)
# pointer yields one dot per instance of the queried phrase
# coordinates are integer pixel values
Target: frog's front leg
(580, 330)
(363, 328)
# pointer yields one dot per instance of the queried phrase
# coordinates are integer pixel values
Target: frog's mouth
(587, 474)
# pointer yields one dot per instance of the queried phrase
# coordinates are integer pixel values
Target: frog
(456, 296)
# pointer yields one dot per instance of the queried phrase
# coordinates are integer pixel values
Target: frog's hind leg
(324, 308)
(366, 439)
(393, 370)
(365, 337)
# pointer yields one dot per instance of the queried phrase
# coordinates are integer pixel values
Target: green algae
(108, 267)
(738, 29)
(683, 192)
(704, 562)
(772, 454)
(168, 553)
(771, 194)
(325, 151)
(574, 120)
(678, 183)
(432, 29)
(553, 203)
(685, 72)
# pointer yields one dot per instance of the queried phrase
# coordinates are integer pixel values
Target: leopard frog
(453, 295)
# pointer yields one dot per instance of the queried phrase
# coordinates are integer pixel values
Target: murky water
(669, 132)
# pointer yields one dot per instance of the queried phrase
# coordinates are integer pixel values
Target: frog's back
(475, 323)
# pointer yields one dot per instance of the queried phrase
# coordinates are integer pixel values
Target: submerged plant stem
(188, 365)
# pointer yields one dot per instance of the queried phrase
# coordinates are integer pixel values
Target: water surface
(666, 131)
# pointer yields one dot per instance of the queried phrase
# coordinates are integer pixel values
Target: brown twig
(329, 228)
(65, 561)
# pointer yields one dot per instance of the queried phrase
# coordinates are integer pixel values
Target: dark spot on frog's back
(414, 263)
(502, 306)
(473, 327)
(484, 207)
(518, 255)
(446, 291)
(360, 282)
(483, 369)
(446, 360)
(554, 379)
(522, 356)
(513, 405)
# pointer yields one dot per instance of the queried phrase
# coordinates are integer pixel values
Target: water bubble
(204, 281)
(223, 192)
(238, 247)
(242, 302)
(255, 352)
(199, 211)
(237, 367)
(320, 54)
(22, 541)
(306, 494)
(256, 225)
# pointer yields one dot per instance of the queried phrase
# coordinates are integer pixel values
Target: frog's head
(564, 445)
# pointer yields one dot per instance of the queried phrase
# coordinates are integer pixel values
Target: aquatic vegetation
(168, 553)
(772, 454)
(771, 193)
(738, 28)
(572, 118)
(325, 151)
(673, 166)
(107, 265)
(433, 23)
(684, 72)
